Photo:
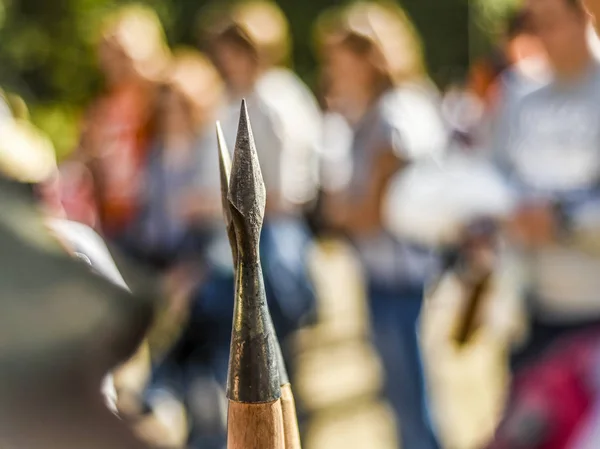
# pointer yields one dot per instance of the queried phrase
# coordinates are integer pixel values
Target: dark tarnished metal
(58, 321)
(254, 358)
(225, 172)
(247, 193)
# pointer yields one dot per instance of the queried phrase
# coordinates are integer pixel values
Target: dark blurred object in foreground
(62, 328)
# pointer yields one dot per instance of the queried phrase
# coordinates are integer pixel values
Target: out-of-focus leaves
(2, 13)
(29, 46)
(490, 14)
(60, 122)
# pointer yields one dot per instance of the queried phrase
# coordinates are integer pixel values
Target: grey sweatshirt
(549, 148)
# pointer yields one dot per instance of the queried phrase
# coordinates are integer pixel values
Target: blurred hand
(354, 218)
(160, 432)
(364, 219)
(479, 247)
(196, 207)
(534, 225)
(336, 211)
(179, 283)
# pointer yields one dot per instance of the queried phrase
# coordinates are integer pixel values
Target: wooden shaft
(290, 419)
(255, 426)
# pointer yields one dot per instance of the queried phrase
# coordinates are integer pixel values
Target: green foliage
(491, 14)
(48, 57)
(60, 121)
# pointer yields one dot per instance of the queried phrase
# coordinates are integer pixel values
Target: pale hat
(26, 154)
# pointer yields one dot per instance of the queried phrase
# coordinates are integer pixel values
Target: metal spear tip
(247, 192)
(254, 360)
(254, 356)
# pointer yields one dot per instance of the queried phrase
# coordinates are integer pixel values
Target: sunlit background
(64, 112)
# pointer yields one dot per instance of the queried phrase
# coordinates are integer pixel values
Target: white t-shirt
(286, 124)
(431, 201)
(406, 120)
(300, 117)
(267, 132)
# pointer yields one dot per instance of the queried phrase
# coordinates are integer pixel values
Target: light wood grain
(290, 419)
(255, 426)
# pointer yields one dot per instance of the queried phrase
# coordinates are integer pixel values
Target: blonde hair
(139, 33)
(261, 23)
(382, 31)
(193, 76)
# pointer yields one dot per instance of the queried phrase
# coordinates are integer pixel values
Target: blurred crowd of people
(502, 168)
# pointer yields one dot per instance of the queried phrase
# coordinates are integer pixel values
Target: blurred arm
(501, 128)
(360, 215)
(130, 380)
(570, 223)
(198, 205)
(273, 150)
(385, 167)
(167, 424)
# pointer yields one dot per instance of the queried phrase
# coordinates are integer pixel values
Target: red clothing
(116, 144)
(554, 392)
(77, 194)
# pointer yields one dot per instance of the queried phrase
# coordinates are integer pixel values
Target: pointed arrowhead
(247, 192)
(254, 356)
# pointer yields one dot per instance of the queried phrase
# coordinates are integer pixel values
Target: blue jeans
(395, 318)
(290, 295)
(284, 248)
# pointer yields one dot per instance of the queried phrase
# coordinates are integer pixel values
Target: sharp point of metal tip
(255, 365)
(247, 192)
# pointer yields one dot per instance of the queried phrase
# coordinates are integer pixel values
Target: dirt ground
(339, 374)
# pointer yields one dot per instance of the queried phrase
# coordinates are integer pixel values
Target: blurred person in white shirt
(548, 149)
(250, 44)
(383, 115)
